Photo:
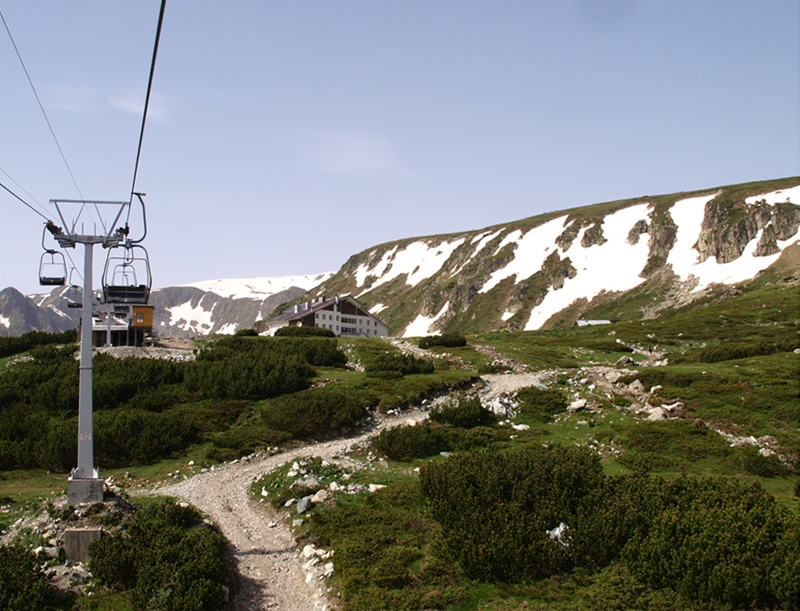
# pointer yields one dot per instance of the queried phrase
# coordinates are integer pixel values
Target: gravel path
(271, 572)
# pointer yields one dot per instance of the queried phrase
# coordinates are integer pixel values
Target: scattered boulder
(304, 504)
(674, 410)
(577, 405)
(625, 360)
(636, 387)
(320, 496)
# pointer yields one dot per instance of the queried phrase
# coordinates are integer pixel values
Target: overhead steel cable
(147, 102)
(24, 202)
(11, 178)
(41, 107)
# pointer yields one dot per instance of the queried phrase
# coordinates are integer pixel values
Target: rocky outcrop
(637, 230)
(663, 232)
(594, 235)
(567, 237)
(728, 226)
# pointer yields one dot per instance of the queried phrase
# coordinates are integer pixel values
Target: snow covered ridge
(536, 268)
(202, 308)
(259, 288)
(225, 306)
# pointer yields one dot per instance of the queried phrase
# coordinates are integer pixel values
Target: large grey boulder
(304, 504)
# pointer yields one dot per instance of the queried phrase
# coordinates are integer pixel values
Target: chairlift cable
(41, 107)
(74, 267)
(24, 202)
(11, 178)
(147, 102)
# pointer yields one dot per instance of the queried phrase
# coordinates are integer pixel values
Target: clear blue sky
(286, 136)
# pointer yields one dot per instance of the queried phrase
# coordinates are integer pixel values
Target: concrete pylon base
(77, 540)
(85, 490)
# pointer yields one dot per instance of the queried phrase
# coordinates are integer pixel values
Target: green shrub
(167, 559)
(495, 509)
(407, 442)
(448, 340)
(392, 402)
(730, 351)
(388, 553)
(240, 440)
(785, 575)
(304, 331)
(493, 368)
(397, 365)
(246, 333)
(26, 341)
(718, 543)
(317, 413)
(465, 413)
(253, 374)
(23, 585)
(541, 405)
(753, 462)
(668, 445)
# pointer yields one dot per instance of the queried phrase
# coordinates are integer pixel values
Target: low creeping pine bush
(448, 340)
(167, 558)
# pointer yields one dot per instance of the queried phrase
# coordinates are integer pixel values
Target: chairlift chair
(126, 278)
(74, 294)
(52, 268)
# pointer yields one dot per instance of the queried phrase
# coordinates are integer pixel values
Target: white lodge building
(342, 315)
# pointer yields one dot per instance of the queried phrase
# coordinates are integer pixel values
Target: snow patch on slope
(377, 308)
(688, 216)
(421, 325)
(485, 240)
(532, 249)
(190, 318)
(614, 265)
(57, 311)
(5, 322)
(228, 329)
(259, 288)
(418, 260)
(777, 197)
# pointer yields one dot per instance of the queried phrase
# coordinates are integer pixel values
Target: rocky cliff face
(729, 226)
(20, 314)
(190, 312)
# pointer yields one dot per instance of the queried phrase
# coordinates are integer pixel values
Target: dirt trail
(268, 561)
(267, 558)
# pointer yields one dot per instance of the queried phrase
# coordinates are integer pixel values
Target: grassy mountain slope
(624, 260)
